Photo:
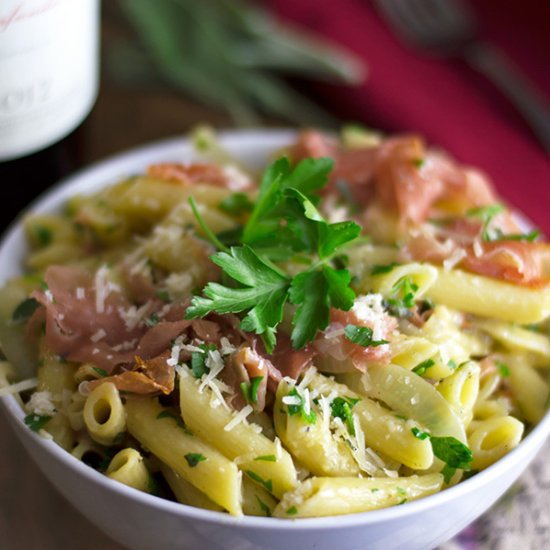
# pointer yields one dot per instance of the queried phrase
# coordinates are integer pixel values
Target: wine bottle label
(48, 71)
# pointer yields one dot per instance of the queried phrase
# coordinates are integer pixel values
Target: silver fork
(448, 28)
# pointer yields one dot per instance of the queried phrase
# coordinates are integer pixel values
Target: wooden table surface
(33, 516)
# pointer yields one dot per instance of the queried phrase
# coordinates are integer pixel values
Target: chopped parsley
(263, 506)
(163, 294)
(422, 367)
(44, 235)
(503, 369)
(450, 450)
(292, 511)
(419, 162)
(486, 215)
(250, 389)
(23, 312)
(267, 483)
(101, 372)
(176, 418)
(152, 320)
(194, 458)
(267, 458)
(198, 360)
(381, 269)
(362, 336)
(529, 237)
(36, 421)
(310, 418)
(341, 408)
(419, 434)
(404, 291)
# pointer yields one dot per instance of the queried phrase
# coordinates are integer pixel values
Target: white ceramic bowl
(141, 521)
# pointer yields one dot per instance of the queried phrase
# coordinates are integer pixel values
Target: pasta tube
(188, 455)
(325, 496)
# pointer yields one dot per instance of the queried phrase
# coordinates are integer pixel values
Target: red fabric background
(445, 100)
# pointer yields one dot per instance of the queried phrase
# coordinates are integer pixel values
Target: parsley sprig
(283, 224)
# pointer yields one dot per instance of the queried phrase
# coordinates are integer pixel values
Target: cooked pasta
(356, 331)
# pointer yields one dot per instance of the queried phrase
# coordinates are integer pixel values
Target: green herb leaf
(292, 511)
(362, 336)
(102, 372)
(309, 291)
(254, 385)
(194, 458)
(310, 418)
(284, 223)
(419, 434)
(382, 269)
(198, 360)
(422, 367)
(448, 472)
(36, 421)
(267, 483)
(341, 408)
(237, 204)
(529, 237)
(263, 506)
(486, 215)
(451, 451)
(152, 320)
(340, 293)
(177, 419)
(43, 235)
(264, 293)
(23, 312)
(406, 289)
(163, 294)
(503, 369)
(267, 458)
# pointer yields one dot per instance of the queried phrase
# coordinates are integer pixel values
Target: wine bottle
(49, 57)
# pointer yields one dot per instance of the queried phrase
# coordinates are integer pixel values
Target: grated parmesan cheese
(126, 345)
(19, 387)
(97, 336)
(291, 400)
(227, 348)
(455, 258)
(238, 180)
(179, 284)
(478, 248)
(41, 403)
(133, 316)
(307, 378)
(103, 287)
(369, 309)
(238, 418)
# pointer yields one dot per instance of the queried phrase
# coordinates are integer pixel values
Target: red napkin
(445, 100)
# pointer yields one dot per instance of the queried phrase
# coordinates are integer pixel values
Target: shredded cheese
(455, 258)
(98, 335)
(19, 387)
(41, 403)
(369, 309)
(238, 418)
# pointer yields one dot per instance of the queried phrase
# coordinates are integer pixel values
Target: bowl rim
(102, 173)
